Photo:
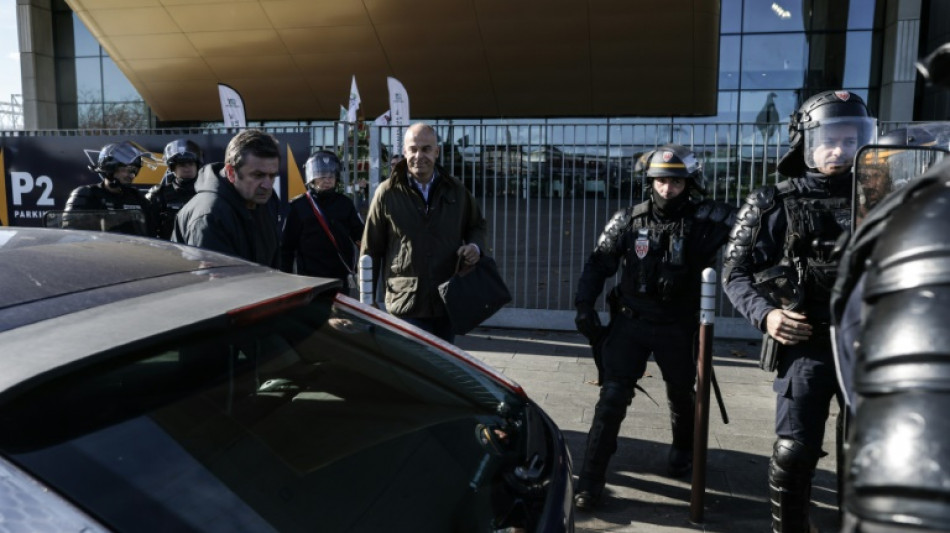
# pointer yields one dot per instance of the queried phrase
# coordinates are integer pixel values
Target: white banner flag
(399, 110)
(232, 107)
(354, 102)
(383, 120)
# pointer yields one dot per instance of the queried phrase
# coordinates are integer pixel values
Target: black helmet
(672, 161)
(807, 125)
(115, 155)
(322, 162)
(181, 151)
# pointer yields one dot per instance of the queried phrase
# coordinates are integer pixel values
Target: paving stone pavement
(554, 367)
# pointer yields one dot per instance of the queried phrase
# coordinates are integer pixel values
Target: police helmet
(115, 155)
(817, 117)
(672, 161)
(181, 151)
(322, 162)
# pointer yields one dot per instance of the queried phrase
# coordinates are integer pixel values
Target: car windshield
(315, 418)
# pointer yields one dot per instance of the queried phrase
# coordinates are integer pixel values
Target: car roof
(65, 295)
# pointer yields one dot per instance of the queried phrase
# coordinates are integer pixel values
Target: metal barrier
(547, 188)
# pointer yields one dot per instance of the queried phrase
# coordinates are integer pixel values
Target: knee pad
(793, 457)
(615, 397)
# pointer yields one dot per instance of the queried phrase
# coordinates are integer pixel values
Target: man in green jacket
(420, 222)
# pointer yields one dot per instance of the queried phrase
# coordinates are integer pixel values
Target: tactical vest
(655, 269)
(814, 226)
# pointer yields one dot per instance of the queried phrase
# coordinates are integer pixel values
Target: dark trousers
(628, 346)
(439, 326)
(805, 385)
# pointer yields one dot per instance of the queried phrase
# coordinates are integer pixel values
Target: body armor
(897, 462)
(167, 199)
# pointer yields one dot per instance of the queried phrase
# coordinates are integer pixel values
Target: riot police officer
(779, 269)
(663, 244)
(322, 225)
(183, 159)
(117, 165)
(891, 302)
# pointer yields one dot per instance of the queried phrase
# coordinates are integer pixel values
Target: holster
(768, 358)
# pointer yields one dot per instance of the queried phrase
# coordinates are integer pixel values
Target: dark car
(149, 386)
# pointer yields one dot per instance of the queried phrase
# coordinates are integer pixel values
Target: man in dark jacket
(322, 226)
(96, 206)
(234, 210)
(183, 159)
(779, 269)
(420, 222)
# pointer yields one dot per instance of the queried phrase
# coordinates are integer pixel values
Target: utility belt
(632, 313)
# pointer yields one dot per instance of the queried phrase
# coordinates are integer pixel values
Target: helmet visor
(320, 165)
(830, 144)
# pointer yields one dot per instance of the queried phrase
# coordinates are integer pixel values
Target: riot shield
(128, 221)
(880, 169)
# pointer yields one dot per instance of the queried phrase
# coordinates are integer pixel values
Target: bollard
(707, 314)
(366, 280)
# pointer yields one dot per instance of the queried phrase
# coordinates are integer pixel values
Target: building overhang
(293, 59)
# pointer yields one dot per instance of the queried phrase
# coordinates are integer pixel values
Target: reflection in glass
(729, 66)
(116, 87)
(861, 14)
(731, 13)
(776, 16)
(756, 106)
(773, 61)
(88, 79)
(85, 43)
(857, 66)
(89, 115)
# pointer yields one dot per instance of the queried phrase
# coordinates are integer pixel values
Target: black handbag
(474, 293)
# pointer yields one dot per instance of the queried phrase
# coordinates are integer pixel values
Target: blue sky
(9, 52)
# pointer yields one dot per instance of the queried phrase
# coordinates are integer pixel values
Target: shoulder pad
(615, 228)
(715, 211)
(638, 210)
(913, 249)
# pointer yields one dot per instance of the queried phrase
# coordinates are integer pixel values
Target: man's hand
(787, 327)
(588, 323)
(469, 252)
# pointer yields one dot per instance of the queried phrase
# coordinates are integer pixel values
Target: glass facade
(92, 92)
(773, 55)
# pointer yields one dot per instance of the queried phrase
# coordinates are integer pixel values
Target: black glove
(588, 323)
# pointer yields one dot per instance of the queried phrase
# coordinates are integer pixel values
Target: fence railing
(547, 189)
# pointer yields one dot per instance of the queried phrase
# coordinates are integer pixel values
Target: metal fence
(547, 188)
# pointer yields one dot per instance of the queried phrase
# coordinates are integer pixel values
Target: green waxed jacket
(414, 247)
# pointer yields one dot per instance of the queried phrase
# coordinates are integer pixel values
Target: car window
(312, 416)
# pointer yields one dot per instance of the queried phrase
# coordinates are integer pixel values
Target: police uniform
(98, 197)
(891, 303)
(166, 200)
(663, 250)
(797, 228)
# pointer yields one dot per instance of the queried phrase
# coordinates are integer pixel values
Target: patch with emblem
(844, 96)
(642, 245)
(667, 156)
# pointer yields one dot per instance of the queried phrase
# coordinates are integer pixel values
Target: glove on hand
(588, 323)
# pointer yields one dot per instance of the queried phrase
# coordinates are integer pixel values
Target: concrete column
(901, 48)
(37, 66)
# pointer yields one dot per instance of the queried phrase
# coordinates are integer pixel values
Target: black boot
(601, 443)
(790, 472)
(682, 404)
